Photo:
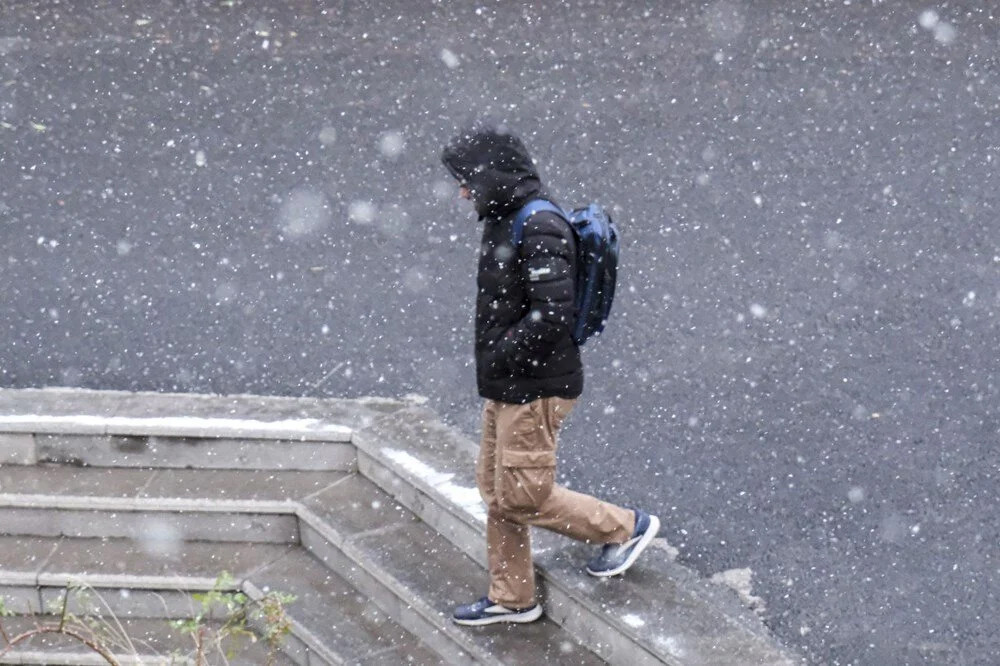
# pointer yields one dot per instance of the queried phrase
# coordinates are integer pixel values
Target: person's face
(464, 192)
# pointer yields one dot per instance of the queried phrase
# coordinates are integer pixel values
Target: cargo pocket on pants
(526, 479)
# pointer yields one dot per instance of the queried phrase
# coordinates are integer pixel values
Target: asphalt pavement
(801, 371)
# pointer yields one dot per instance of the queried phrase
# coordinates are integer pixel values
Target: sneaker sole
(647, 538)
(529, 615)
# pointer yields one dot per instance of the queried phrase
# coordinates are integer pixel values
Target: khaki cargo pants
(516, 477)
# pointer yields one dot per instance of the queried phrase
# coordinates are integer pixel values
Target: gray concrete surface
(329, 615)
(659, 613)
(165, 512)
(800, 374)
(415, 558)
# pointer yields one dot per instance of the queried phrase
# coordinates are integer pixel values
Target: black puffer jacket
(524, 306)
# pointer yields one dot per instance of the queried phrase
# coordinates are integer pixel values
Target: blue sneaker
(615, 558)
(485, 611)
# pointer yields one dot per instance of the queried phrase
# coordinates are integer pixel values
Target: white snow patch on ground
(467, 498)
(633, 620)
(741, 581)
(671, 645)
(662, 544)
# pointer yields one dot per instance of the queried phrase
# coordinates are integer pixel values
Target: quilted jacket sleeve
(548, 270)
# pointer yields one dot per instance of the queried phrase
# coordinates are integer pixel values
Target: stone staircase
(365, 510)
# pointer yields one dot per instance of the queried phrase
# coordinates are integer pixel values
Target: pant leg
(508, 543)
(524, 487)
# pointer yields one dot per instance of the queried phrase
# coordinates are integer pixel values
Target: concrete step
(65, 480)
(117, 429)
(332, 623)
(660, 612)
(419, 576)
(346, 521)
(155, 504)
(339, 615)
(150, 504)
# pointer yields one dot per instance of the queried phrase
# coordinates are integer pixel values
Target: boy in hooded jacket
(528, 369)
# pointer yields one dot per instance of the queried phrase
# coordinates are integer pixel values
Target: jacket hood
(497, 169)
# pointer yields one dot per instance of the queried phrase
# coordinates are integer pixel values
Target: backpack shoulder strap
(529, 209)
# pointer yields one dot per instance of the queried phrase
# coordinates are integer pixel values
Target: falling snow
(800, 371)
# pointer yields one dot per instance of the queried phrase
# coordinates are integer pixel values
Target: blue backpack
(597, 261)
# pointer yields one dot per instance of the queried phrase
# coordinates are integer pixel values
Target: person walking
(529, 372)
